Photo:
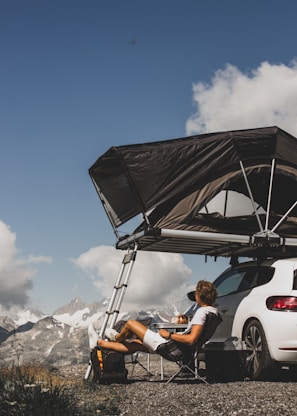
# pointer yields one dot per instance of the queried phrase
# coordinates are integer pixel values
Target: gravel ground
(144, 395)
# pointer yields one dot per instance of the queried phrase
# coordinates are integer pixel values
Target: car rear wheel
(257, 361)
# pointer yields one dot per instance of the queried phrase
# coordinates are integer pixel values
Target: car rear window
(264, 275)
(243, 279)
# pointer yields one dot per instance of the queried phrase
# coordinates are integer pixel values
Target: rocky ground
(148, 395)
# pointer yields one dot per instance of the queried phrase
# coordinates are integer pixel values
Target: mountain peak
(71, 307)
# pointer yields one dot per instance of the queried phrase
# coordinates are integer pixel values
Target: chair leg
(142, 366)
(186, 367)
(134, 361)
(196, 374)
(174, 375)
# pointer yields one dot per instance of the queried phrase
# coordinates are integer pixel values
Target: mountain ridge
(61, 338)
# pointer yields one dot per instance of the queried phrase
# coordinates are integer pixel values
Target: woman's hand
(165, 334)
(179, 319)
(182, 319)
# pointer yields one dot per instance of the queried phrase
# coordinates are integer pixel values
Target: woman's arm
(189, 339)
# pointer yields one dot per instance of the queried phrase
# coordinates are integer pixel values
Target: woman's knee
(137, 328)
(130, 324)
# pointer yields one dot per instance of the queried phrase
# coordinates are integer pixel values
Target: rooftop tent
(178, 185)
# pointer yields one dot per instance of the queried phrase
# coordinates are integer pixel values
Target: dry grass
(34, 389)
(37, 390)
(34, 373)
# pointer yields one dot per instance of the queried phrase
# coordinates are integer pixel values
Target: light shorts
(152, 340)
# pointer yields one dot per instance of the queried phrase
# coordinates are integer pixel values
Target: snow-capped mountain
(27, 315)
(79, 314)
(47, 341)
(7, 323)
(6, 326)
(61, 338)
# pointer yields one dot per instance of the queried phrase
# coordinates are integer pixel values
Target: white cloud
(156, 278)
(7, 246)
(39, 259)
(233, 100)
(15, 273)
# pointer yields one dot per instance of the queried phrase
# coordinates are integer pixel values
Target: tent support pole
(284, 217)
(145, 217)
(225, 205)
(269, 194)
(251, 195)
(106, 208)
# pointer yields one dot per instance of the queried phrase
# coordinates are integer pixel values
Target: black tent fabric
(170, 182)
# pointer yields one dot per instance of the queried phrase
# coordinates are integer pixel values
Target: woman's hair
(207, 292)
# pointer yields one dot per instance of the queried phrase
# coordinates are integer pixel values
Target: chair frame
(211, 323)
(182, 367)
(134, 360)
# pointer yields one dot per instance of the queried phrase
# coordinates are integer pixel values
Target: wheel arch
(250, 319)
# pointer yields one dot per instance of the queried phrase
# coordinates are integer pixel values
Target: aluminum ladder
(113, 310)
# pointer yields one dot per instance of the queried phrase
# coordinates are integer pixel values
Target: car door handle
(224, 310)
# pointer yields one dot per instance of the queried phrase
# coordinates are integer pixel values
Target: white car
(258, 304)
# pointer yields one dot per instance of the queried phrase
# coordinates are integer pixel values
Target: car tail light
(282, 303)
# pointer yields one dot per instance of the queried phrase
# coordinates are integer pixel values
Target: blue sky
(77, 77)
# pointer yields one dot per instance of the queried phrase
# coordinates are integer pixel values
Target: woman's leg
(125, 347)
(131, 327)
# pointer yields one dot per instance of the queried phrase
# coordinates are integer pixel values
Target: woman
(148, 340)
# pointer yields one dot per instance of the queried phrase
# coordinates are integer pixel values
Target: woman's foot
(111, 333)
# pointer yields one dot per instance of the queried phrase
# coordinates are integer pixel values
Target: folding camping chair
(188, 362)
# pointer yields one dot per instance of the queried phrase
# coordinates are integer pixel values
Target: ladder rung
(112, 312)
(120, 286)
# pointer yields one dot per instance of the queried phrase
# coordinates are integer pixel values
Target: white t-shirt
(200, 316)
(153, 339)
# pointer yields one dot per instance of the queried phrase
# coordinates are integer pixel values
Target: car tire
(258, 362)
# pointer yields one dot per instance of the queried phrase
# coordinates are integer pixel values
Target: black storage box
(223, 362)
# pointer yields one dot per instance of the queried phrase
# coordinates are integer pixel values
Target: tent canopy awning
(172, 183)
